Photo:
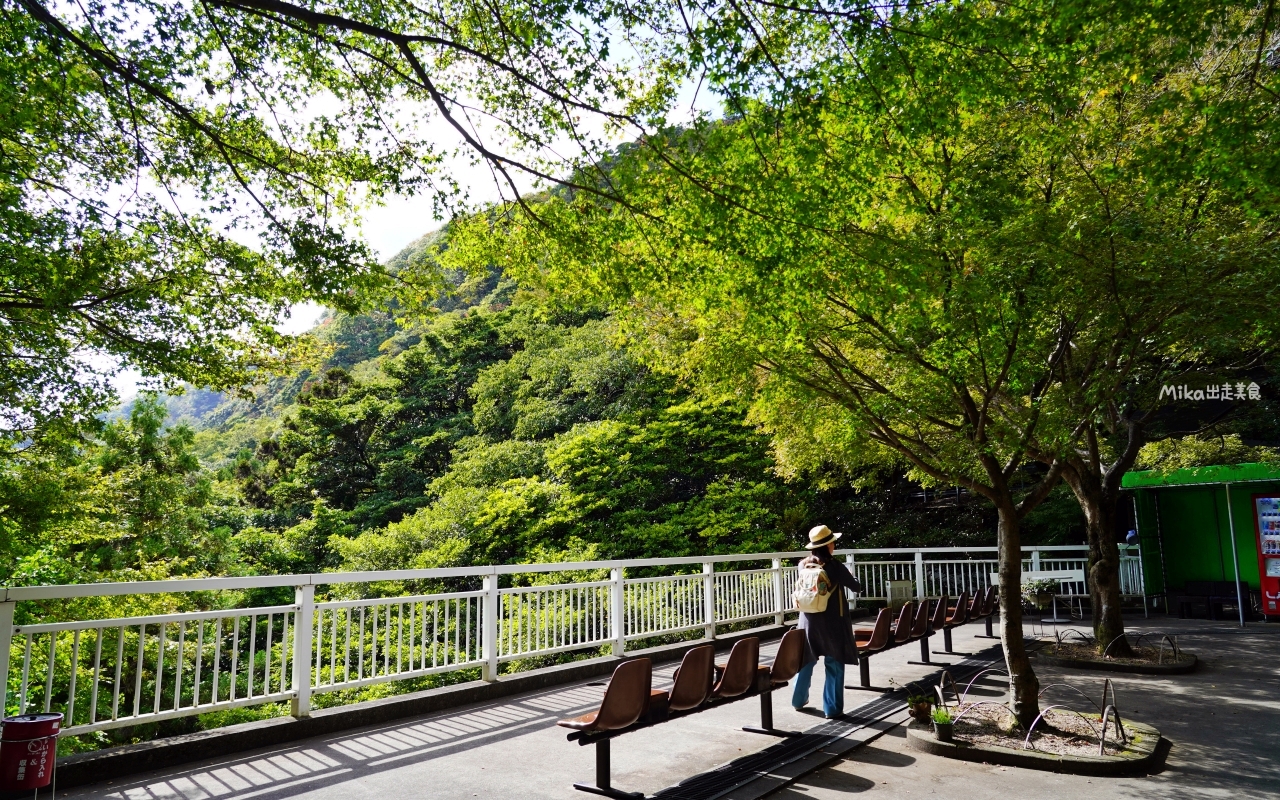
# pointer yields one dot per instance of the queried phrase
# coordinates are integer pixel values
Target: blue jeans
(832, 688)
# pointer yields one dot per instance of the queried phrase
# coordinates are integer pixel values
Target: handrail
(183, 585)
(167, 665)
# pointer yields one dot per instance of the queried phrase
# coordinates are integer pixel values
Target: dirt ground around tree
(1223, 722)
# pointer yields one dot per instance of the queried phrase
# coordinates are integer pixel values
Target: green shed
(1197, 524)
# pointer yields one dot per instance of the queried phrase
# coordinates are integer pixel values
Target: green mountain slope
(496, 428)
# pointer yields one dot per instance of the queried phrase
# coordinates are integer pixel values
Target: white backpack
(813, 590)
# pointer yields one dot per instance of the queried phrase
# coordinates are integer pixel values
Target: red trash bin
(28, 744)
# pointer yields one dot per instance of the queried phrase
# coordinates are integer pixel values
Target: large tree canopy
(972, 256)
(174, 175)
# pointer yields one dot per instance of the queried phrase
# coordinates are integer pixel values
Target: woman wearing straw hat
(828, 633)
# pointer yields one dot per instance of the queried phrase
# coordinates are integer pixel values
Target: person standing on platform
(828, 633)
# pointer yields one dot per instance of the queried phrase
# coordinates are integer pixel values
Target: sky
(391, 226)
(388, 228)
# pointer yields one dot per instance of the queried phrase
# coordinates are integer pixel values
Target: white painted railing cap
(181, 585)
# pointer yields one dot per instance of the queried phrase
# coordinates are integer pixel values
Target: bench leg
(946, 642)
(603, 767)
(602, 786)
(924, 655)
(864, 675)
(989, 634)
(766, 718)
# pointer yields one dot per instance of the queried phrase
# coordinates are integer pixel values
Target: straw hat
(821, 536)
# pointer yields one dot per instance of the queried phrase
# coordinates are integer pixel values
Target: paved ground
(1223, 722)
(1228, 714)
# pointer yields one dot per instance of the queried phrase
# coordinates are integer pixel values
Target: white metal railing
(110, 673)
(114, 672)
(953, 577)
(664, 605)
(744, 595)
(541, 620)
(873, 575)
(361, 642)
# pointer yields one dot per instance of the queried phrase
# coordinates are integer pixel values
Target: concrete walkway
(1223, 722)
(508, 749)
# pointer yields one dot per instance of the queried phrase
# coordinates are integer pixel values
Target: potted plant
(942, 721)
(1040, 592)
(919, 707)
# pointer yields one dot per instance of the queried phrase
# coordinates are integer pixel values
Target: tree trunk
(1100, 508)
(1024, 687)
(1105, 575)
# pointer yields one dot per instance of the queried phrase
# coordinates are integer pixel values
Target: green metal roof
(1224, 473)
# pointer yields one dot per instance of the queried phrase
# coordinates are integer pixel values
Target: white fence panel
(362, 642)
(1132, 583)
(113, 673)
(118, 672)
(951, 578)
(540, 620)
(744, 595)
(873, 575)
(664, 605)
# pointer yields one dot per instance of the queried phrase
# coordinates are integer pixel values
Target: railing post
(1035, 560)
(779, 604)
(6, 641)
(489, 629)
(709, 599)
(919, 575)
(849, 562)
(617, 607)
(1142, 575)
(304, 623)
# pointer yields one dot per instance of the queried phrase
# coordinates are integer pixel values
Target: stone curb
(85, 768)
(1111, 666)
(1148, 754)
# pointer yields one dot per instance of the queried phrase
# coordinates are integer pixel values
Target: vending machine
(1267, 522)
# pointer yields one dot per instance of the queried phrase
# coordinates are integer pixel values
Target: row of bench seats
(915, 622)
(630, 703)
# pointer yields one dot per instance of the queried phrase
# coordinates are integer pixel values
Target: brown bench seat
(926, 624)
(737, 676)
(625, 701)
(690, 685)
(785, 665)
(957, 615)
(630, 703)
(869, 641)
(990, 604)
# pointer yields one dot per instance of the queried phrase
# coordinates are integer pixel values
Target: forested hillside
(497, 428)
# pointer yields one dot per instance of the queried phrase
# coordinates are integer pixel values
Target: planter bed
(1139, 755)
(1082, 657)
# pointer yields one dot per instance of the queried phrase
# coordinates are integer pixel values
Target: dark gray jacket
(831, 632)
